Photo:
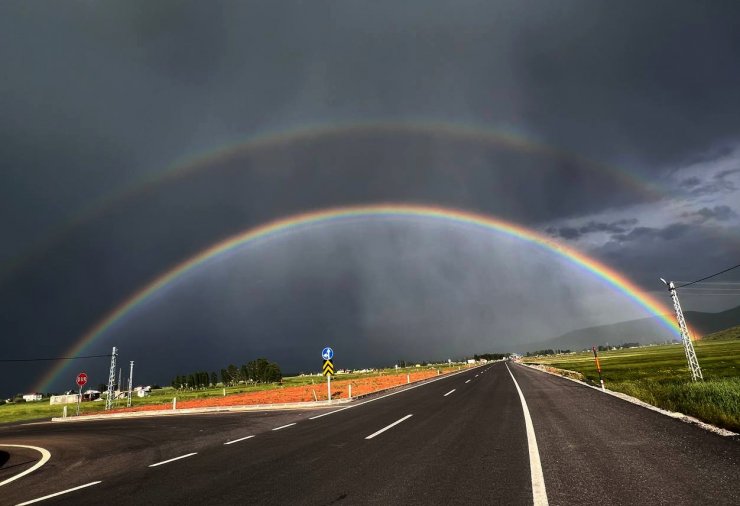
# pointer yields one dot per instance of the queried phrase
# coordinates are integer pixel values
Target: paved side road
(457, 440)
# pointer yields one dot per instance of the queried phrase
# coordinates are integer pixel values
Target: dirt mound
(280, 394)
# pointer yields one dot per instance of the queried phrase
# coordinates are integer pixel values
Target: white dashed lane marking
(172, 460)
(388, 427)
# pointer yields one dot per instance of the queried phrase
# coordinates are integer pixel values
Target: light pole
(130, 383)
(688, 346)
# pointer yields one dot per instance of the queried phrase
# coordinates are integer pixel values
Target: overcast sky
(627, 116)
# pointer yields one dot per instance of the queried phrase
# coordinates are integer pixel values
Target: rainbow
(301, 221)
(194, 163)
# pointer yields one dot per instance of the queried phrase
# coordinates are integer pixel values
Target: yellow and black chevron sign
(328, 368)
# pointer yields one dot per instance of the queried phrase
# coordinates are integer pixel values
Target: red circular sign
(82, 379)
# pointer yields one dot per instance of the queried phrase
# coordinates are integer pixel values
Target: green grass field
(659, 375)
(43, 410)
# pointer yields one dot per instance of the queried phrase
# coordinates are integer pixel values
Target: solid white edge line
(389, 426)
(237, 440)
(59, 493)
(285, 426)
(448, 393)
(172, 460)
(45, 456)
(438, 378)
(539, 493)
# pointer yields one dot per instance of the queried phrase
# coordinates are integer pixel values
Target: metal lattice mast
(688, 346)
(111, 379)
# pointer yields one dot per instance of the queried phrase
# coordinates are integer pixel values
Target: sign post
(81, 381)
(598, 368)
(328, 368)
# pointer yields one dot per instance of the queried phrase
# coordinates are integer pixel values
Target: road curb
(204, 410)
(634, 400)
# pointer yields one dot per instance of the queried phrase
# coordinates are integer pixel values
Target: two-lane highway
(459, 439)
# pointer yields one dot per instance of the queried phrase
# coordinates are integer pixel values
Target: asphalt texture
(467, 447)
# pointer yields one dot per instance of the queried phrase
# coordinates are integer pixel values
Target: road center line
(59, 493)
(444, 377)
(448, 393)
(285, 426)
(45, 456)
(467, 382)
(237, 440)
(172, 460)
(389, 426)
(535, 466)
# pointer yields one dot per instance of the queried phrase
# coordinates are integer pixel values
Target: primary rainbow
(295, 222)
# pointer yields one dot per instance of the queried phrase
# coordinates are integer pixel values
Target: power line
(715, 283)
(709, 277)
(712, 289)
(48, 359)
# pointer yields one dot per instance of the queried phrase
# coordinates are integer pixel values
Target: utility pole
(111, 379)
(130, 382)
(688, 346)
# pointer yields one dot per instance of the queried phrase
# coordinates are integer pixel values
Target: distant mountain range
(643, 331)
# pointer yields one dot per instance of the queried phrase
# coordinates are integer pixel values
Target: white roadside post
(350, 390)
(174, 403)
(64, 412)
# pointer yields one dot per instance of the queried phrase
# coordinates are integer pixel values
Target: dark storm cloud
(690, 182)
(718, 213)
(96, 96)
(703, 251)
(712, 187)
(724, 173)
(614, 227)
(717, 184)
(651, 234)
(156, 80)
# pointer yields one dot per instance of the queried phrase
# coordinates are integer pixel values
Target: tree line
(260, 370)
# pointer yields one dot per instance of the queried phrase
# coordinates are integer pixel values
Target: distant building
(33, 397)
(90, 395)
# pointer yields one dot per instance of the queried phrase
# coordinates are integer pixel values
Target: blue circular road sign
(327, 353)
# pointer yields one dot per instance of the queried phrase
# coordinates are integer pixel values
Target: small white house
(32, 397)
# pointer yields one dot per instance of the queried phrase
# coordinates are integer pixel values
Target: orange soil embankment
(279, 395)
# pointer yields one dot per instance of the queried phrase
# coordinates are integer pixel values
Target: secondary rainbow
(196, 162)
(299, 221)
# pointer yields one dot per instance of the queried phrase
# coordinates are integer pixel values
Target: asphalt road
(460, 439)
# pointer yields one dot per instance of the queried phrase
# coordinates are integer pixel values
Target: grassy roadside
(43, 410)
(658, 375)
